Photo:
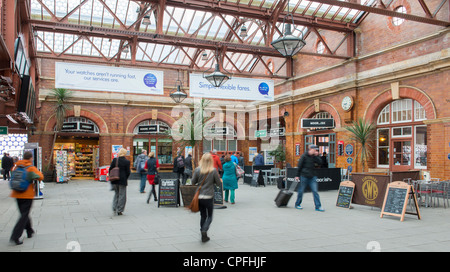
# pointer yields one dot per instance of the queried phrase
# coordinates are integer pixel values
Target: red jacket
(217, 163)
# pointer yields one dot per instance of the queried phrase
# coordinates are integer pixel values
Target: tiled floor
(78, 216)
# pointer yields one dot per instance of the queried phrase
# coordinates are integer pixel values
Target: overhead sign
(152, 129)
(277, 132)
(317, 123)
(260, 133)
(106, 78)
(3, 130)
(236, 88)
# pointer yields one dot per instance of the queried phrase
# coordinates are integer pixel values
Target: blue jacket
(258, 160)
(234, 159)
(229, 176)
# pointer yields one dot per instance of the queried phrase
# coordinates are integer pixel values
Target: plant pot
(187, 193)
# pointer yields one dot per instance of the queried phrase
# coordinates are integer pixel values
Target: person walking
(7, 164)
(234, 157)
(324, 160)
(241, 160)
(258, 160)
(25, 199)
(188, 167)
(178, 166)
(207, 175)
(216, 159)
(307, 176)
(120, 186)
(230, 181)
(139, 165)
(152, 165)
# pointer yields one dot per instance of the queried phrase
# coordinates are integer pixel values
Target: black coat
(124, 166)
(307, 164)
(7, 163)
(188, 162)
(177, 169)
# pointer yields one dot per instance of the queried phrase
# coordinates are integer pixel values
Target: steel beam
(385, 12)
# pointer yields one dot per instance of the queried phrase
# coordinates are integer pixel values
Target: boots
(205, 237)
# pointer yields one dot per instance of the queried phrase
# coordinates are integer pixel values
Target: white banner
(235, 88)
(107, 78)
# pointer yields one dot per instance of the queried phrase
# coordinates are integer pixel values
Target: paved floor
(78, 216)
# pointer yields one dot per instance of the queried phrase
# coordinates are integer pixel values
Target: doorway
(401, 155)
(326, 143)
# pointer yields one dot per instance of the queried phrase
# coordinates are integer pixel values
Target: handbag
(114, 174)
(156, 179)
(194, 206)
(239, 171)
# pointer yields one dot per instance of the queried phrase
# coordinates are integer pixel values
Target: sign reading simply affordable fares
(236, 88)
(108, 78)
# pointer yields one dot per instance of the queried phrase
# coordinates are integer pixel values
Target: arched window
(79, 124)
(402, 136)
(153, 136)
(219, 136)
(152, 127)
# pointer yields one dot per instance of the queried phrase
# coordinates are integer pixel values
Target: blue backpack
(19, 181)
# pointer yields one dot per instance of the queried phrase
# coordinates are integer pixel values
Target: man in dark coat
(307, 176)
(324, 160)
(178, 166)
(7, 164)
(120, 186)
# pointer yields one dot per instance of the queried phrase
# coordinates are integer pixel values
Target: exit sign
(3, 130)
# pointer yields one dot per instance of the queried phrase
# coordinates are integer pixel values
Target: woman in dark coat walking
(120, 186)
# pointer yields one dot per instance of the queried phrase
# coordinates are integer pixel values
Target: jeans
(206, 211)
(227, 193)
(24, 222)
(120, 197)
(312, 183)
(143, 181)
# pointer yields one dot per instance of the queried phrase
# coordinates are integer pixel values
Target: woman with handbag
(119, 171)
(152, 165)
(207, 177)
(230, 181)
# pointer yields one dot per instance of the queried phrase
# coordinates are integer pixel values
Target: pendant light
(243, 32)
(217, 78)
(288, 45)
(177, 94)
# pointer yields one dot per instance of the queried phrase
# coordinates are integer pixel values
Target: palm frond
(362, 133)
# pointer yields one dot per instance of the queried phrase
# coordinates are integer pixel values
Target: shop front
(154, 136)
(79, 141)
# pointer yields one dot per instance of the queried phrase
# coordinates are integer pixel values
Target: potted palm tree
(279, 155)
(362, 132)
(62, 96)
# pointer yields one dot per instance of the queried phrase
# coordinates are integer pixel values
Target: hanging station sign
(107, 78)
(274, 132)
(236, 88)
(77, 127)
(317, 123)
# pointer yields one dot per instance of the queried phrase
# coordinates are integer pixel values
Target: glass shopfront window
(383, 147)
(164, 151)
(420, 147)
(153, 136)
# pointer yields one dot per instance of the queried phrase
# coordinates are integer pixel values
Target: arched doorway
(79, 139)
(154, 136)
(221, 137)
(402, 136)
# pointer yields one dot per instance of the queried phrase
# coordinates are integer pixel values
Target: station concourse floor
(80, 213)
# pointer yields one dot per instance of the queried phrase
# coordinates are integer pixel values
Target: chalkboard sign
(345, 194)
(396, 200)
(168, 193)
(218, 194)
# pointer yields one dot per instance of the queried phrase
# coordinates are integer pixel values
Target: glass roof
(125, 14)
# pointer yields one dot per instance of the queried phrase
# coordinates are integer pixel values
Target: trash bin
(103, 173)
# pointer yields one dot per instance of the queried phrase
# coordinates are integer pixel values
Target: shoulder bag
(194, 206)
(114, 174)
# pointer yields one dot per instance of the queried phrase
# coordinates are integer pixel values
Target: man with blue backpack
(22, 186)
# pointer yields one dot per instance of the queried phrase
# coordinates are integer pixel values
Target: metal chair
(439, 189)
(274, 175)
(423, 189)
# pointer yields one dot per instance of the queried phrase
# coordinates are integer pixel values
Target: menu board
(168, 193)
(345, 194)
(218, 194)
(396, 200)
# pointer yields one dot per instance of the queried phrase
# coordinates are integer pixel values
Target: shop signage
(317, 123)
(70, 126)
(396, 200)
(3, 130)
(236, 88)
(340, 148)
(168, 193)
(260, 133)
(218, 131)
(345, 194)
(274, 132)
(297, 149)
(349, 160)
(115, 150)
(87, 127)
(327, 178)
(152, 129)
(108, 78)
(218, 194)
(369, 189)
(349, 150)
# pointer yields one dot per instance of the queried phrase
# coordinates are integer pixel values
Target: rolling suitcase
(284, 196)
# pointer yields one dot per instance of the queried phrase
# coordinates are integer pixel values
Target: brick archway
(94, 117)
(323, 106)
(385, 97)
(148, 115)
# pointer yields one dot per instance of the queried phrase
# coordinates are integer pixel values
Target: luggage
(284, 196)
(281, 184)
